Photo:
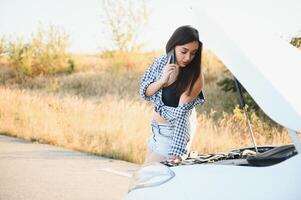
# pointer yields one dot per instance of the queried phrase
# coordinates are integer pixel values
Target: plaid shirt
(179, 116)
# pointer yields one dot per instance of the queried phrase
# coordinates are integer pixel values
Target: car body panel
(266, 65)
(217, 181)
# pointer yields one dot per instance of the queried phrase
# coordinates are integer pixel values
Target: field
(96, 108)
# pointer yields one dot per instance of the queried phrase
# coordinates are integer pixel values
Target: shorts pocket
(166, 132)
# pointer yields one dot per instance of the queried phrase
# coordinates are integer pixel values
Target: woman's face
(185, 53)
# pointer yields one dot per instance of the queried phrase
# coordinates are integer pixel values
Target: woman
(174, 89)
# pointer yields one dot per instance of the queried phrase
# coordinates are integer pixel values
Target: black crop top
(170, 96)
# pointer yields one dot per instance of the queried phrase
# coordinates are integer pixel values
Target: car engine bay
(266, 156)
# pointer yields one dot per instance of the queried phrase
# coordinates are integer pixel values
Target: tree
(124, 18)
(228, 85)
(296, 41)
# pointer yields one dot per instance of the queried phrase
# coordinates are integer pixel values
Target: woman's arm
(148, 78)
(157, 85)
(154, 87)
(196, 89)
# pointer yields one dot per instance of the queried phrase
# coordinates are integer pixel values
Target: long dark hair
(188, 75)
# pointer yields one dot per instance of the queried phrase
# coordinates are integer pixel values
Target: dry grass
(98, 110)
(231, 132)
(111, 127)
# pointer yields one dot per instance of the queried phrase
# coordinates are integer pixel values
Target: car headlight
(150, 175)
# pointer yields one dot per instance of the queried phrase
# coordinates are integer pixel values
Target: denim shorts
(161, 138)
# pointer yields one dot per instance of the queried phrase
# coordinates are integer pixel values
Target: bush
(44, 54)
(296, 41)
(2, 47)
(129, 61)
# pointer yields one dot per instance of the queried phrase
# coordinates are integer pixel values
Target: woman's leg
(157, 143)
(151, 156)
(147, 155)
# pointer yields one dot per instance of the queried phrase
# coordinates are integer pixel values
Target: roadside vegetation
(96, 108)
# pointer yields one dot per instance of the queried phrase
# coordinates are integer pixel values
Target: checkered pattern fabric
(179, 116)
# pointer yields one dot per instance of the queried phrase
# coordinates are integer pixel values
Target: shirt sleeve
(149, 77)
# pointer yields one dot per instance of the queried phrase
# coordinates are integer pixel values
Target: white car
(269, 69)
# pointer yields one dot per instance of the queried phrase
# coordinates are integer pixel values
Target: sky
(82, 19)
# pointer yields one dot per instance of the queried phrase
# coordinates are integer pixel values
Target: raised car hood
(268, 67)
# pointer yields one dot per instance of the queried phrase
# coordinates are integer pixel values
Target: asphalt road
(32, 171)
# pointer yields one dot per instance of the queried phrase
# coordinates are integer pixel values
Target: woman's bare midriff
(159, 119)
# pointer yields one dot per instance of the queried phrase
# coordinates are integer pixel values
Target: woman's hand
(175, 159)
(167, 71)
